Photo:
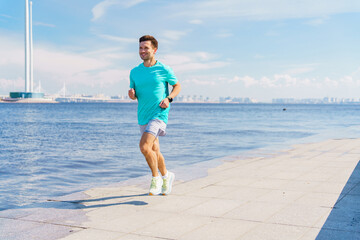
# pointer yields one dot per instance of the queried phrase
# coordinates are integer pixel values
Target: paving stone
(212, 191)
(299, 215)
(333, 187)
(13, 226)
(128, 223)
(304, 186)
(269, 183)
(173, 227)
(245, 193)
(286, 174)
(311, 191)
(238, 181)
(94, 234)
(318, 199)
(220, 229)
(274, 232)
(255, 211)
(311, 234)
(43, 231)
(214, 207)
(280, 196)
(107, 214)
(138, 237)
(177, 204)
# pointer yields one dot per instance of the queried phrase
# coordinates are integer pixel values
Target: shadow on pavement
(344, 220)
(80, 204)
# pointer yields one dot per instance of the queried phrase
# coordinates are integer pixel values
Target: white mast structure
(31, 53)
(28, 48)
(29, 93)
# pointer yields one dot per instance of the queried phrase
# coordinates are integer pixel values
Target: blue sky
(261, 49)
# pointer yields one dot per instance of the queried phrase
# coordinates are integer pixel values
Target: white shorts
(155, 127)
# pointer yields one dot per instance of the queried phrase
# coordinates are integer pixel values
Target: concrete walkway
(309, 192)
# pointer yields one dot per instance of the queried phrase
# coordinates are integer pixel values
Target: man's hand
(164, 103)
(132, 94)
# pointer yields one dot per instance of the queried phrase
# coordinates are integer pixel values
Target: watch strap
(170, 98)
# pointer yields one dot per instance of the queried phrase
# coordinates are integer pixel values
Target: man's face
(146, 50)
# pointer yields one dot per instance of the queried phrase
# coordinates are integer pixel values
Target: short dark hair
(153, 41)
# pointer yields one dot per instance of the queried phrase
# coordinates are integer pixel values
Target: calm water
(49, 150)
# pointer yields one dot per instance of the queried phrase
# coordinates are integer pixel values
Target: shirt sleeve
(171, 78)
(132, 83)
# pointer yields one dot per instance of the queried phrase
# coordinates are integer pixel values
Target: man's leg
(168, 177)
(146, 147)
(160, 157)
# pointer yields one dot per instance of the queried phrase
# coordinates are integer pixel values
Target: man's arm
(132, 94)
(175, 91)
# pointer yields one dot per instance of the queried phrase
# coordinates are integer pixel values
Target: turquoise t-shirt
(151, 87)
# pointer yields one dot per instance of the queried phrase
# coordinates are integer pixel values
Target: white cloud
(224, 35)
(350, 81)
(268, 87)
(266, 10)
(268, 82)
(276, 81)
(5, 16)
(258, 56)
(356, 73)
(195, 66)
(11, 84)
(196, 21)
(248, 81)
(300, 70)
(131, 3)
(101, 79)
(232, 80)
(118, 39)
(11, 55)
(54, 66)
(205, 56)
(175, 59)
(189, 62)
(345, 81)
(196, 81)
(173, 35)
(65, 63)
(317, 21)
(101, 8)
(284, 81)
(181, 58)
(104, 51)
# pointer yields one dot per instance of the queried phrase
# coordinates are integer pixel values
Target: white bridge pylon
(29, 73)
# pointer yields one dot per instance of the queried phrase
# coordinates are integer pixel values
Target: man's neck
(150, 62)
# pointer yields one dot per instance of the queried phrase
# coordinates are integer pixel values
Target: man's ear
(155, 50)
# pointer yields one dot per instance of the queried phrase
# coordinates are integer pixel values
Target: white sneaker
(167, 183)
(155, 186)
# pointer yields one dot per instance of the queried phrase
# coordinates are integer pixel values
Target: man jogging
(149, 85)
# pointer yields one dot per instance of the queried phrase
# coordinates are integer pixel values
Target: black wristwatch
(170, 98)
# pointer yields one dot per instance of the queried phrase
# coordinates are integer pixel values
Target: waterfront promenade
(311, 191)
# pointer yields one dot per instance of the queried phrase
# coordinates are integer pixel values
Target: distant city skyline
(198, 99)
(257, 49)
